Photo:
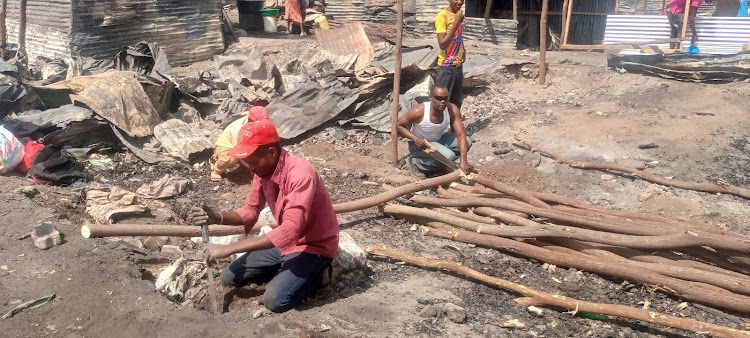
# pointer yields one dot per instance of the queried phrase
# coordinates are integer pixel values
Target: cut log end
(86, 231)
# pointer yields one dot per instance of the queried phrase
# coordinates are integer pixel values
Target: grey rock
(28, 191)
(351, 256)
(45, 236)
(155, 242)
(258, 314)
(455, 313)
(171, 251)
(533, 159)
(430, 311)
(501, 148)
(648, 146)
(573, 276)
(338, 133)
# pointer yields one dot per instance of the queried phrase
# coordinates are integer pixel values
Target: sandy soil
(586, 111)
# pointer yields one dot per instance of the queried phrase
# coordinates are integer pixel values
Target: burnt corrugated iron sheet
(715, 34)
(47, 27)
(347, 10)
(584, 29)
(653, 7)
(187, 30)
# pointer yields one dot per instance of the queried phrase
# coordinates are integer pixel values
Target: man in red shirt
(292, 257)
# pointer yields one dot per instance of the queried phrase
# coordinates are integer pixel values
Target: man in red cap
(221, 160)
(292, 257)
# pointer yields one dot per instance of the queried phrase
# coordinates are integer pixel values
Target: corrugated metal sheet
(187, 30)
(47, 27)
(654, 6)
(715, 34)
(347, 10)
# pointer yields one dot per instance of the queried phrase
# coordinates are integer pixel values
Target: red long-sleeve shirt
(301, 205)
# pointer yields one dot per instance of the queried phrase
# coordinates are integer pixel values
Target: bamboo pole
(685, 24)
(543, 42)
(397, 82)
(567, 22)
(543, 298)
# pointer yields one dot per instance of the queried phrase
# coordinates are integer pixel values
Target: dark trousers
(447, 145)
(290, 277)
(453, 78)
(675, 23)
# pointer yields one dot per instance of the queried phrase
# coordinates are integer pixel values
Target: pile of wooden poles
(693, 261)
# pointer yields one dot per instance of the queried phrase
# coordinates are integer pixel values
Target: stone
(489, 158)
(45, 236)
(607, 177)
(28, 191)
(573, 276)
(533, 159)
(258, 314)
(430, 311)
(155, 242)
(338, 133)
(171, 251)
(535, 311)
(163, 215)
(455, 313)
(176, 280)
(648, 146)
(351, 256)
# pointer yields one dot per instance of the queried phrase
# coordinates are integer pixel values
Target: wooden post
(22, 25)
(397, 82)
(515, 10)
(567, 22)
(3, 26)
(487, 9)
(543, 43)
(685, 24)
(617, 7)
(564, 18)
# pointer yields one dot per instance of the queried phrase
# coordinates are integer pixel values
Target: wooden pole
(118, 230)
(487, 9)
(567, 22)
(397, 82)
(685, 24)
(543, 42)
(617, 7)
(564, 17)
(3, 26)
(515, 10)
(22, 26)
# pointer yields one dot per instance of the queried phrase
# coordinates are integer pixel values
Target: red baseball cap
(253, 135)
(257, 113)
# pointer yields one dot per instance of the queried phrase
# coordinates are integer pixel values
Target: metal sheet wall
(717, 35)
(47, 27)
(653, 7)
(188, 31)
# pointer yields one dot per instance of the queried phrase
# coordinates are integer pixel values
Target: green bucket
(269, 12)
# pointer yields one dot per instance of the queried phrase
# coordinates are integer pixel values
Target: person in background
(222, 162)
(450, 36)
(676, 16)
(294, 12)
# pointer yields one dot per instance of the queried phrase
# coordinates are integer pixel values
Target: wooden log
(692, 291)
(544, 298)
(736, 284)
(117, 230)
(22, 25)
(397, 81)
(644, 175)
(528, 228)
(508, 190)
(543, 42)
(395, 193)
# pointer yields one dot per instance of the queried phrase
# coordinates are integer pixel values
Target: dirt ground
(585, 111)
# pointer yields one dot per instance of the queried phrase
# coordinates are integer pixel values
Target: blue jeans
(446, 145)
(290, 277)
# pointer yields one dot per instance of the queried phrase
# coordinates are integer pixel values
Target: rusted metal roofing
(187, 30)
(716, 35)
(47, 28)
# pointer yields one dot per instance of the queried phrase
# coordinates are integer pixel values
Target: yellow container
(322, 22)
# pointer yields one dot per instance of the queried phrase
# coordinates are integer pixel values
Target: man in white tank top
(429, 121)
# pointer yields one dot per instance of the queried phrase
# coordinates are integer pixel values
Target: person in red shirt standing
(676, 16)
(293, 257)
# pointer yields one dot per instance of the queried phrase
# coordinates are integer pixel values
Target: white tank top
(426, 129)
